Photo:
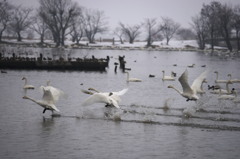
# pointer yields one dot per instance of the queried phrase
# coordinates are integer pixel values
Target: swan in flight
(110, 98)
(219, 81)
(190, 92)
(47, 101)
(56, 93)
(233, 80)
(26, 85)
(167, 78)
(132, 79)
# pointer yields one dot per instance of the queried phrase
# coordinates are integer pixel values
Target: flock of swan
(189, 91)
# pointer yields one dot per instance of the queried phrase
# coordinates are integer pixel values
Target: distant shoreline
(175, 45)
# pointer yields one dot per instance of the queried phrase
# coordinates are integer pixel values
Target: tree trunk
(1, 36)
(238, 40)
(19, 37)
(227, 39)
(42, 39)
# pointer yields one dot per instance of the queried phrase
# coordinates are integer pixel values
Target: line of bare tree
(217, 22)
(60, 19)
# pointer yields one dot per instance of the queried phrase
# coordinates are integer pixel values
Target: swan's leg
(44, 110)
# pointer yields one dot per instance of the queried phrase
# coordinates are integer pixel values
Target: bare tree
(210, 14)
(225, 14)
(236, 24)
(201, 30)
(94, 22)
(39, 26)
(153, 30)
(186, 34)
(131, 32)
(77, 31)
(169, 28)
(119, 33)
(20, 20)
(58, 15)
(5, 16)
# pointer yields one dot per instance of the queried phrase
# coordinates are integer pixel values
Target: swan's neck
(163, 74)
(25, 81)
(216, 75)
(227, 87)
(48, 83)
(127, 75)
(93, 89)
(29, 98)
(230, 76)
(177, 90)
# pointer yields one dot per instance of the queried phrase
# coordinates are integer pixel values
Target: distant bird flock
(188, 91)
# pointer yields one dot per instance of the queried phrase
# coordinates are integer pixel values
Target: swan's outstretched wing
(196, 85)
(100, 98)
(56, 93)
(183, 79)
(96, 98)
(47, 96)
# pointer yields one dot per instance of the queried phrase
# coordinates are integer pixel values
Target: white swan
(47, 101)
(132, 79)
(56, 93)
(191, 66)
(26, 85)
(233, 80)
(111, 98)
(231, 96)
(236, 99)
(114, 95)
(101, 98)
(167, 78)
(219, 81)
(222, 91)
(190, 92)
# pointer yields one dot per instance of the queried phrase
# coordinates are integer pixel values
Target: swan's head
(91, 89)
(233, 91)
(25, 97)
(24, 78)
(215, 72)
(170, 86)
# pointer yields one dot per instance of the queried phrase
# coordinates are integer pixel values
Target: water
(144, 130)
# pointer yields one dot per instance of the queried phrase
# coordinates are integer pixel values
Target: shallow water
(143, 129)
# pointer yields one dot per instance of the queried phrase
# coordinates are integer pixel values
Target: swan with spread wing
(190, 92)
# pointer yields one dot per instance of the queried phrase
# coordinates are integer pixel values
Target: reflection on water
(154, 122)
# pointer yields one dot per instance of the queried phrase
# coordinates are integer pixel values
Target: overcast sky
(135, 11)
